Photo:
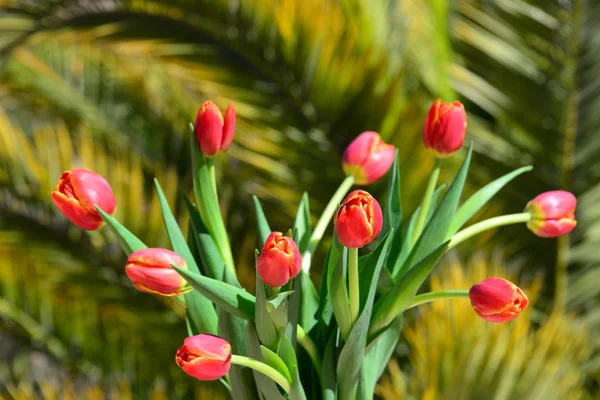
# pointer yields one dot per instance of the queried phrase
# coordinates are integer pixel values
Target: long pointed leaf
(393, 208)
(128, 241)
(264, 230)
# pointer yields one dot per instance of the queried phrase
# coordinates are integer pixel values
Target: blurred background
(112, 85)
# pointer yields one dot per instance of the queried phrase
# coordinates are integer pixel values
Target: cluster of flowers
(357, 222)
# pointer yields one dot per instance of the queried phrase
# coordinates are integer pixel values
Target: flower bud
(368, 158)
(77, 194)
(213, 132)
(205, 357)
(279, 260)
(151, 272)
(445, 127)
(497, 300)
(552, 213)
(358, 220)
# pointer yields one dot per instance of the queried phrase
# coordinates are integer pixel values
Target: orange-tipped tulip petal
(497, 300)
(279, 260)
(358, 220)
(552, 214)
(151, 272)
(445, 127)
(368, 158)
(205, 357)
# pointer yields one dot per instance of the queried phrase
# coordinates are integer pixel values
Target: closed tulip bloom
(205, 357)
(279, 260)
(77, 194)
(213, 132)
(358, 220)
(552, 214)
(151, 272)
(445, 127)
(368, 158)
(497, 300)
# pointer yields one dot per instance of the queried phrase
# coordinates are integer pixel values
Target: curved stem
(353, 284)
(440, 295)
(425, 204)
(488, 224)
(323, 221)
(308, 345)
(263, 369)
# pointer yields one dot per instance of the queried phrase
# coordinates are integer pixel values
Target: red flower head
(151, 272)
(497, 300)
(552, 214)
(358, 220)
(205, 357)
(279, 260)
(445, 127)
(213, 132)
(368, 158)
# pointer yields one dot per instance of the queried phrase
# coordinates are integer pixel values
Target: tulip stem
(323, 221)
(426, 203)
(488, 224)
(263, 369)
(440, 295)
(353, 285)
(308, 345)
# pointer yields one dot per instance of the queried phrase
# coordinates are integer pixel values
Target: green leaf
(265, 385)
(302, 226)
(434, 202)
(480, 199)
(352, 356)
(391, 305)
(128, 241)
(267, 333)
(264, 230)
(202, 311)
(309, 302)
(232, 299)
(276, 362)
(336, 281)
(288, 355)
(393, 208)
(400, 248)
(329, 367)
(371, 266)
(436, 230)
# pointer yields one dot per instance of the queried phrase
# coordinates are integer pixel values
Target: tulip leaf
(378, 356)
(232, 299)
(288, 355)
(336, 281)
(266, 386)
(264, 230)
(480, 199)
(128, 241)
(352, 356)
(309, 302)
(202, 311)
(436, 230)
(370, 267)
(302, 227)
(396, 300)
(272, 359)
(393, 208)
(264, 324)
(434, 202)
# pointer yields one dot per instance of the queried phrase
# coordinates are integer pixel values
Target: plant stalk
(426, 203)
(308, 345)
(353, 284)
(263, 369)
(440, 295)
(488, 224)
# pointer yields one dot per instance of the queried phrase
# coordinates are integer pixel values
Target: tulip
(552, 214)
(368, 158)
(77, 194)
(214, 134)
(151, 272)
(358, 220)
(445, 127)
(279, 260)
(497, 300)
(205, 357)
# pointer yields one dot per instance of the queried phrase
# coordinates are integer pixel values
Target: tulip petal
(77, 214)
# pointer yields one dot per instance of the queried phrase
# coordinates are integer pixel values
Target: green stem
(488, 224)
(263, 369)
(323, 221)
(308, 345)
(441, 295)
(353, 285)
(425, 204)
(210, 163)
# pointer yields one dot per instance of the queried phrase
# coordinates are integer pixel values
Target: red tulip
(77, 194)
(445, 127)
(214, 134)
(151, 272)
(368, 158)
(279, 260)
(552, 214)
(205, 357)
(358, 220)
(497, 300)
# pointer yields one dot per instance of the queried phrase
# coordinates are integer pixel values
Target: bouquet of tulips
(292, 339)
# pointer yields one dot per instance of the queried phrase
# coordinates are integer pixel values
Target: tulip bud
(552, 214)
(497, 300)
(205, 357)
(279, 260)
(151, 272)
(77, 194)
(358, 220)
(214, 134)
(445, 127)
(368, 158)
